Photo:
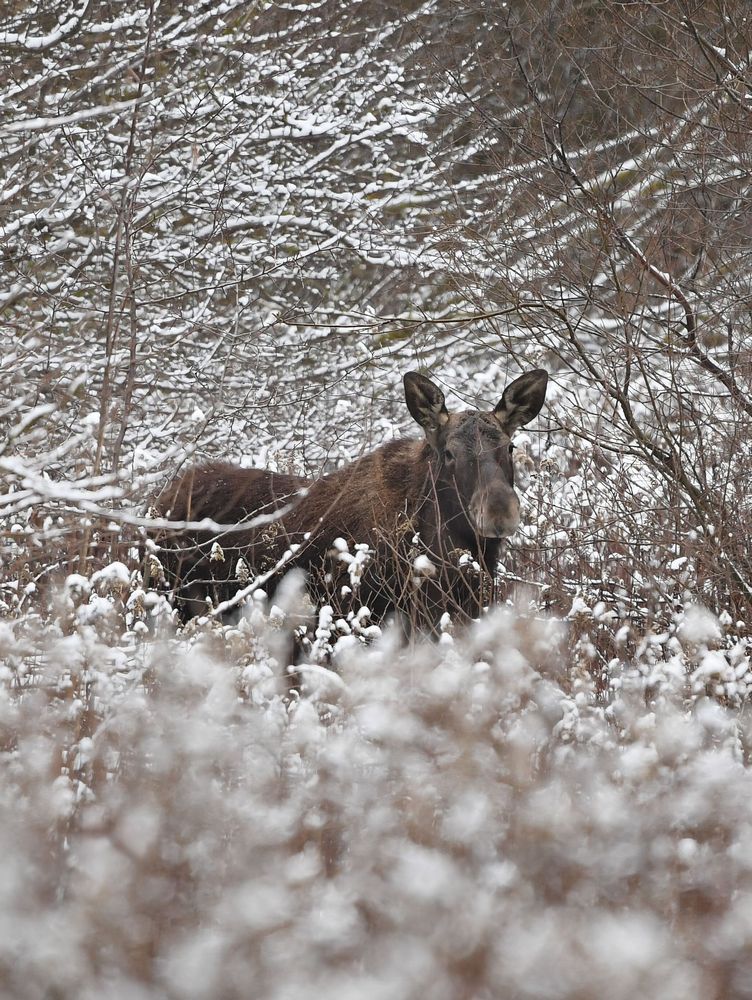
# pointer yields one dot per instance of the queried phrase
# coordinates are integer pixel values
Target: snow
(112, 577)
(699, 625)
(423, 566)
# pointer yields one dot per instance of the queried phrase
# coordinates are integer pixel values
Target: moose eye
(448, 456)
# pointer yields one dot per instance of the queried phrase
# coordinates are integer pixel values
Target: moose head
(472, 453)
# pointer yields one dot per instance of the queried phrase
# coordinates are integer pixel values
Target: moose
(432, 512)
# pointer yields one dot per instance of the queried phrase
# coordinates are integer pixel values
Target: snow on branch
(42, 43)
(43, 124)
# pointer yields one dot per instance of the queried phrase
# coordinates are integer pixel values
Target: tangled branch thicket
(227, 231)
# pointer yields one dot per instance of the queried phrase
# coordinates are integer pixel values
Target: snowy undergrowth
(472, 818)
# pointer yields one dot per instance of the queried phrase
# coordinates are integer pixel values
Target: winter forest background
(227, 229)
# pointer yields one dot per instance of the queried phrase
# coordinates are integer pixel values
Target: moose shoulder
(449, 497)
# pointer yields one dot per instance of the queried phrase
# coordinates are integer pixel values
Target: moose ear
(522, 400)
(425, 401)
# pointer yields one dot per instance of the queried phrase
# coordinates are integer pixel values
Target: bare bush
(455, 821)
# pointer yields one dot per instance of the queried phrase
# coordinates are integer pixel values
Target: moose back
(432, 511)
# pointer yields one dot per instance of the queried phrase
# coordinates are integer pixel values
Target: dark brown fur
(403, 489)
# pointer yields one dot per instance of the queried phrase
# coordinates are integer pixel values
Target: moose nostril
(509, 527)
(495, 516)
